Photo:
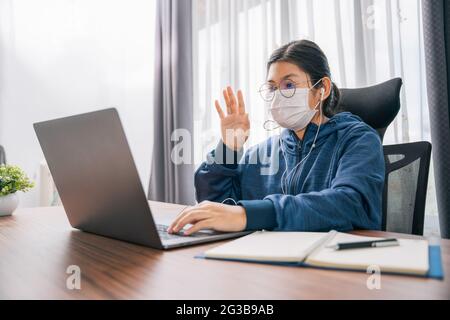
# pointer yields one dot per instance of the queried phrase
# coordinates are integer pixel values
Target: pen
(365, 244)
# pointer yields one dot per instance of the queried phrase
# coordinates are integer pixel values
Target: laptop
(94, 172)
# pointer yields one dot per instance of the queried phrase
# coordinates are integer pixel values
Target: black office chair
(2, 155)
(407, 165)
(407, 168)
(377, 105)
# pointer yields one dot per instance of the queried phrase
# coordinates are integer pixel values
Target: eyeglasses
(287, 89)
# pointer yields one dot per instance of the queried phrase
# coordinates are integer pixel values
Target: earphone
(230, 199)
(313, 146)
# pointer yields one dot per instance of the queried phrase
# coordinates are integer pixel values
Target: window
(63, 57)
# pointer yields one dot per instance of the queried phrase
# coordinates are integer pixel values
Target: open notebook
(413, 257)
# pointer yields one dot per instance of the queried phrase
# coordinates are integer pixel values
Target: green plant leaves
(13, 179)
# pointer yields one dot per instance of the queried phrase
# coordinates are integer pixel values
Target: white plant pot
(8, 204)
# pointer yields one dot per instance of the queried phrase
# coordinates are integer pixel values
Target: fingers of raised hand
(232, 100)
(219, 110)
(227, 101)
(241, 102)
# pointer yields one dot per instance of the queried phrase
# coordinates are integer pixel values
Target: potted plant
(12, 180)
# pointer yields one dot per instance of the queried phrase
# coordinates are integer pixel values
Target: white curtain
(366, 41)
(64, 57)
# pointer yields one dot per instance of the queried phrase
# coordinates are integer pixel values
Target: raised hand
(235, 125)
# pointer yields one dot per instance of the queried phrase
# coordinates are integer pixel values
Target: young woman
(328, 167)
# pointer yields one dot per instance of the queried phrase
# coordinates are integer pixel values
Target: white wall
(63, 57)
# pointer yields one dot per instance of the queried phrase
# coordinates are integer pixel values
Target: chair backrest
(407, 168)
(407, 165)
(2, 156)
(376, 105)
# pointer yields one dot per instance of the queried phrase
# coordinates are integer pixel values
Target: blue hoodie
(338, 186)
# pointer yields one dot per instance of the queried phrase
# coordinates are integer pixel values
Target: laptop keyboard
(164, 235)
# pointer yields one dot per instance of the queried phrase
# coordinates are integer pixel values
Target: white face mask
(293, 113)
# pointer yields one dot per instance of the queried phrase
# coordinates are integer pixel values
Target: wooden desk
(37, 245)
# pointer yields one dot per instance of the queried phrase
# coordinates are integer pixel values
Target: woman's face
(286, 75)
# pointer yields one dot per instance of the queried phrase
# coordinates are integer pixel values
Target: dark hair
(311, 59)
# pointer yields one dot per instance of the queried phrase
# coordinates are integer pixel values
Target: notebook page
(268, 246)
(411, 256)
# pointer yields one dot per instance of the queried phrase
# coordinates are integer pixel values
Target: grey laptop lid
(95, 174)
